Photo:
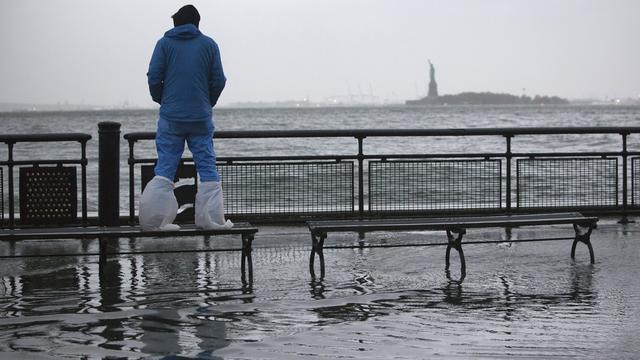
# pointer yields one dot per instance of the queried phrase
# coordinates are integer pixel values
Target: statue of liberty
(433, 86)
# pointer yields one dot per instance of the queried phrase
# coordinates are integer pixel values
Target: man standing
(186, 78)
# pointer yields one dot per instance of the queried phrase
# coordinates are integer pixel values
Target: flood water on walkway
(520, 300)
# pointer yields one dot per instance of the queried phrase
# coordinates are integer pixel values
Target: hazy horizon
(90, 52)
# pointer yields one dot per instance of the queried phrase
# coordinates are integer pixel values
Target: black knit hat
(187, 14)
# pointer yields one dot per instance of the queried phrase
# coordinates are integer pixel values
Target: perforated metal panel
(185, 191)
(48, 195)
(434, 185)
(567, 182)
(288, 188)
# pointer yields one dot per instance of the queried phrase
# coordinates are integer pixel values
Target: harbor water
(183, 299)
(392, 117)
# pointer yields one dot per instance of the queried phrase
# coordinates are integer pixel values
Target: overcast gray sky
(97, 52)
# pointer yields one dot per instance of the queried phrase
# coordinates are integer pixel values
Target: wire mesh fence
(567, 182)
(288, 187)
(416, 185)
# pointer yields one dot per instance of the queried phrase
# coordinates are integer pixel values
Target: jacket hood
(187, 31)
(187, 14)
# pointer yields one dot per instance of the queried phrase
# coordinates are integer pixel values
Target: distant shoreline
(488, 98)
(53, 109)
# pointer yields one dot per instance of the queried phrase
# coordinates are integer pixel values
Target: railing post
(360, 177)
(2, 195)
(508, 170)
(83, 166)
(132, 206)
(625, 154)
(108, 173)
(12, 220)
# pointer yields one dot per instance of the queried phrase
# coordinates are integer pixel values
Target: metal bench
(455, 228)
(246, 230)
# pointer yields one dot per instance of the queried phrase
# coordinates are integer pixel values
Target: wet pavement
(184, 298)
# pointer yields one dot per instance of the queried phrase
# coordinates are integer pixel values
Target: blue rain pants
(170, 139)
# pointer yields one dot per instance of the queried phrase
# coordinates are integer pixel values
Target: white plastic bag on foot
(158, 205)
(210, 207)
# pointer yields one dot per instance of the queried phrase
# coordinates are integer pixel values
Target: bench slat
(118, 231)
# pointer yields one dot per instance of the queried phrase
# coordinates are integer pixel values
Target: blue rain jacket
(185, 75)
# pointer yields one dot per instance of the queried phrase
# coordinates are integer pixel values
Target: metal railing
(422, 183)
(11, 164)
(363, 184)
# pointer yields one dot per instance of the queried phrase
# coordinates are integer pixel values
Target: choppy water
(524, 300)
(399, 117)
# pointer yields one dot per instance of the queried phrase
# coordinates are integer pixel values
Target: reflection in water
(194, 306)
(11, 297)
(317, 289)
(113, 331)
(110, 292)
(172, 331)
(459, 280)
(508, 306)
(582, 283)
(349, 312)
(453, 293)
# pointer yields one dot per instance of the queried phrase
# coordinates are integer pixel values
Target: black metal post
(625, 154)
(132, 206)
(1, 196)
(508, 190)
(360, 177)
(12, 220)
(108, 173)
(83, 165)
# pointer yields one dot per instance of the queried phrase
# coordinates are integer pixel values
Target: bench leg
(585, 238)
(317, 244)
(455, 242)
(246, 264)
